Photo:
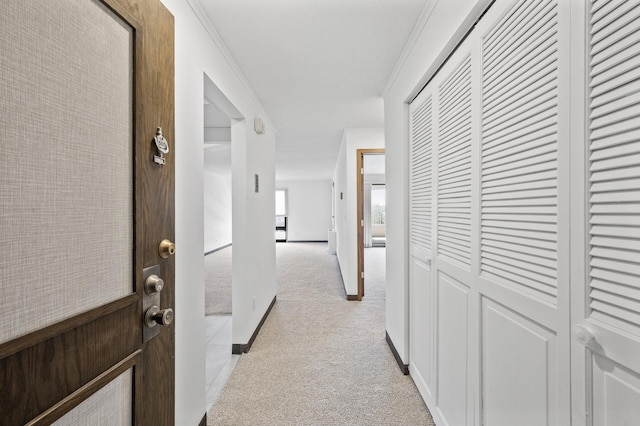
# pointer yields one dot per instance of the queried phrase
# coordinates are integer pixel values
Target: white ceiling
(317, 66)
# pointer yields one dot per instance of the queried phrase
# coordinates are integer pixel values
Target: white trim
(424, 17)
(215, 36)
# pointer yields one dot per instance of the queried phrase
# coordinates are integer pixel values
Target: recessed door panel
(112, 402)
(616, 393)
(518, 369)
(421, 328)
(453, 308)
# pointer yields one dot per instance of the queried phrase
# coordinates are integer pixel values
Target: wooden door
(606, 273)
(83, 209)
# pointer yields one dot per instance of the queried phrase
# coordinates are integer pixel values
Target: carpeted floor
(319, 359)
(217, 282)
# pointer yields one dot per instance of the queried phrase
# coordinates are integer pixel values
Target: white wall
(217, 211)
(308, 209)
(254, 248)
(345, 180)
(445, 23)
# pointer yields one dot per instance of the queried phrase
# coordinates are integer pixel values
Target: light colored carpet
(217, 282)
(319, 359)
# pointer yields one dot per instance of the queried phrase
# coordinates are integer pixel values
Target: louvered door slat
(519, 158)
(523, 246)
(525, 40)
(614, 156)
(454, 165)
(613, 288)
(503, 30)
(537, 91)
(540, 68)
(517, 232)
(421, 177)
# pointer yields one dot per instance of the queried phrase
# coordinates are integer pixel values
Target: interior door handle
(156, 316)
(584, 334)
(166, 248)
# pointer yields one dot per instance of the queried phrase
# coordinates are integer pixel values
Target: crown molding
(197, 9)
(423, 18)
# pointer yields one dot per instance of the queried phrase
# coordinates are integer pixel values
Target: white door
(606, 274)
(489, 301)
(420, 223)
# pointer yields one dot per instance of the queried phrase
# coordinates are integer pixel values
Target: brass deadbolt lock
(166, 249)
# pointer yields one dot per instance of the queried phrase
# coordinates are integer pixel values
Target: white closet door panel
(514, 395)
(616, 398)
(421, 358)
(453, 300)
(421, 186)
(519, 188)
(454, 165)
(612, 313)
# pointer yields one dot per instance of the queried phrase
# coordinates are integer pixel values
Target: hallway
(320, 359)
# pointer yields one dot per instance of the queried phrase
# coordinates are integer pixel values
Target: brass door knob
(166, 249)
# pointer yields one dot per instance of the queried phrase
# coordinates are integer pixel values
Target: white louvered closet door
(453, 283)
(524, 221)
(421, 327)
(496, 292)
(610, 327)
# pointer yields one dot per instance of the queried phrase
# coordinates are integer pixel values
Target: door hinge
(362, 222)
(362, 171)
(362, 275)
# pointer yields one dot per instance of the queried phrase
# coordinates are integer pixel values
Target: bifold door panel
(532, 200)
(486, 179)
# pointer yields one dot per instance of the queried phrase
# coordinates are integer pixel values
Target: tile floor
(220, 361)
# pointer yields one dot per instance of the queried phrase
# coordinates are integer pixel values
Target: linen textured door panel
(84, 85)
(67, 162)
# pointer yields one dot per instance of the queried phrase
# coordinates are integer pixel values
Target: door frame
(360, 153)
(48, 372)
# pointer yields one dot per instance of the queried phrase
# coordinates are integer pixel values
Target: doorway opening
(219, 116)
(371, 211)
(281, 215)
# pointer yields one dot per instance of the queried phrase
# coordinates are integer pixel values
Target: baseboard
(240, 348)
(350, 297)
(403, 367)
(217, 249)
(307, 241)
(203, 422)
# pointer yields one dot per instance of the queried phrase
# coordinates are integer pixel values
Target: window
(378, 205)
